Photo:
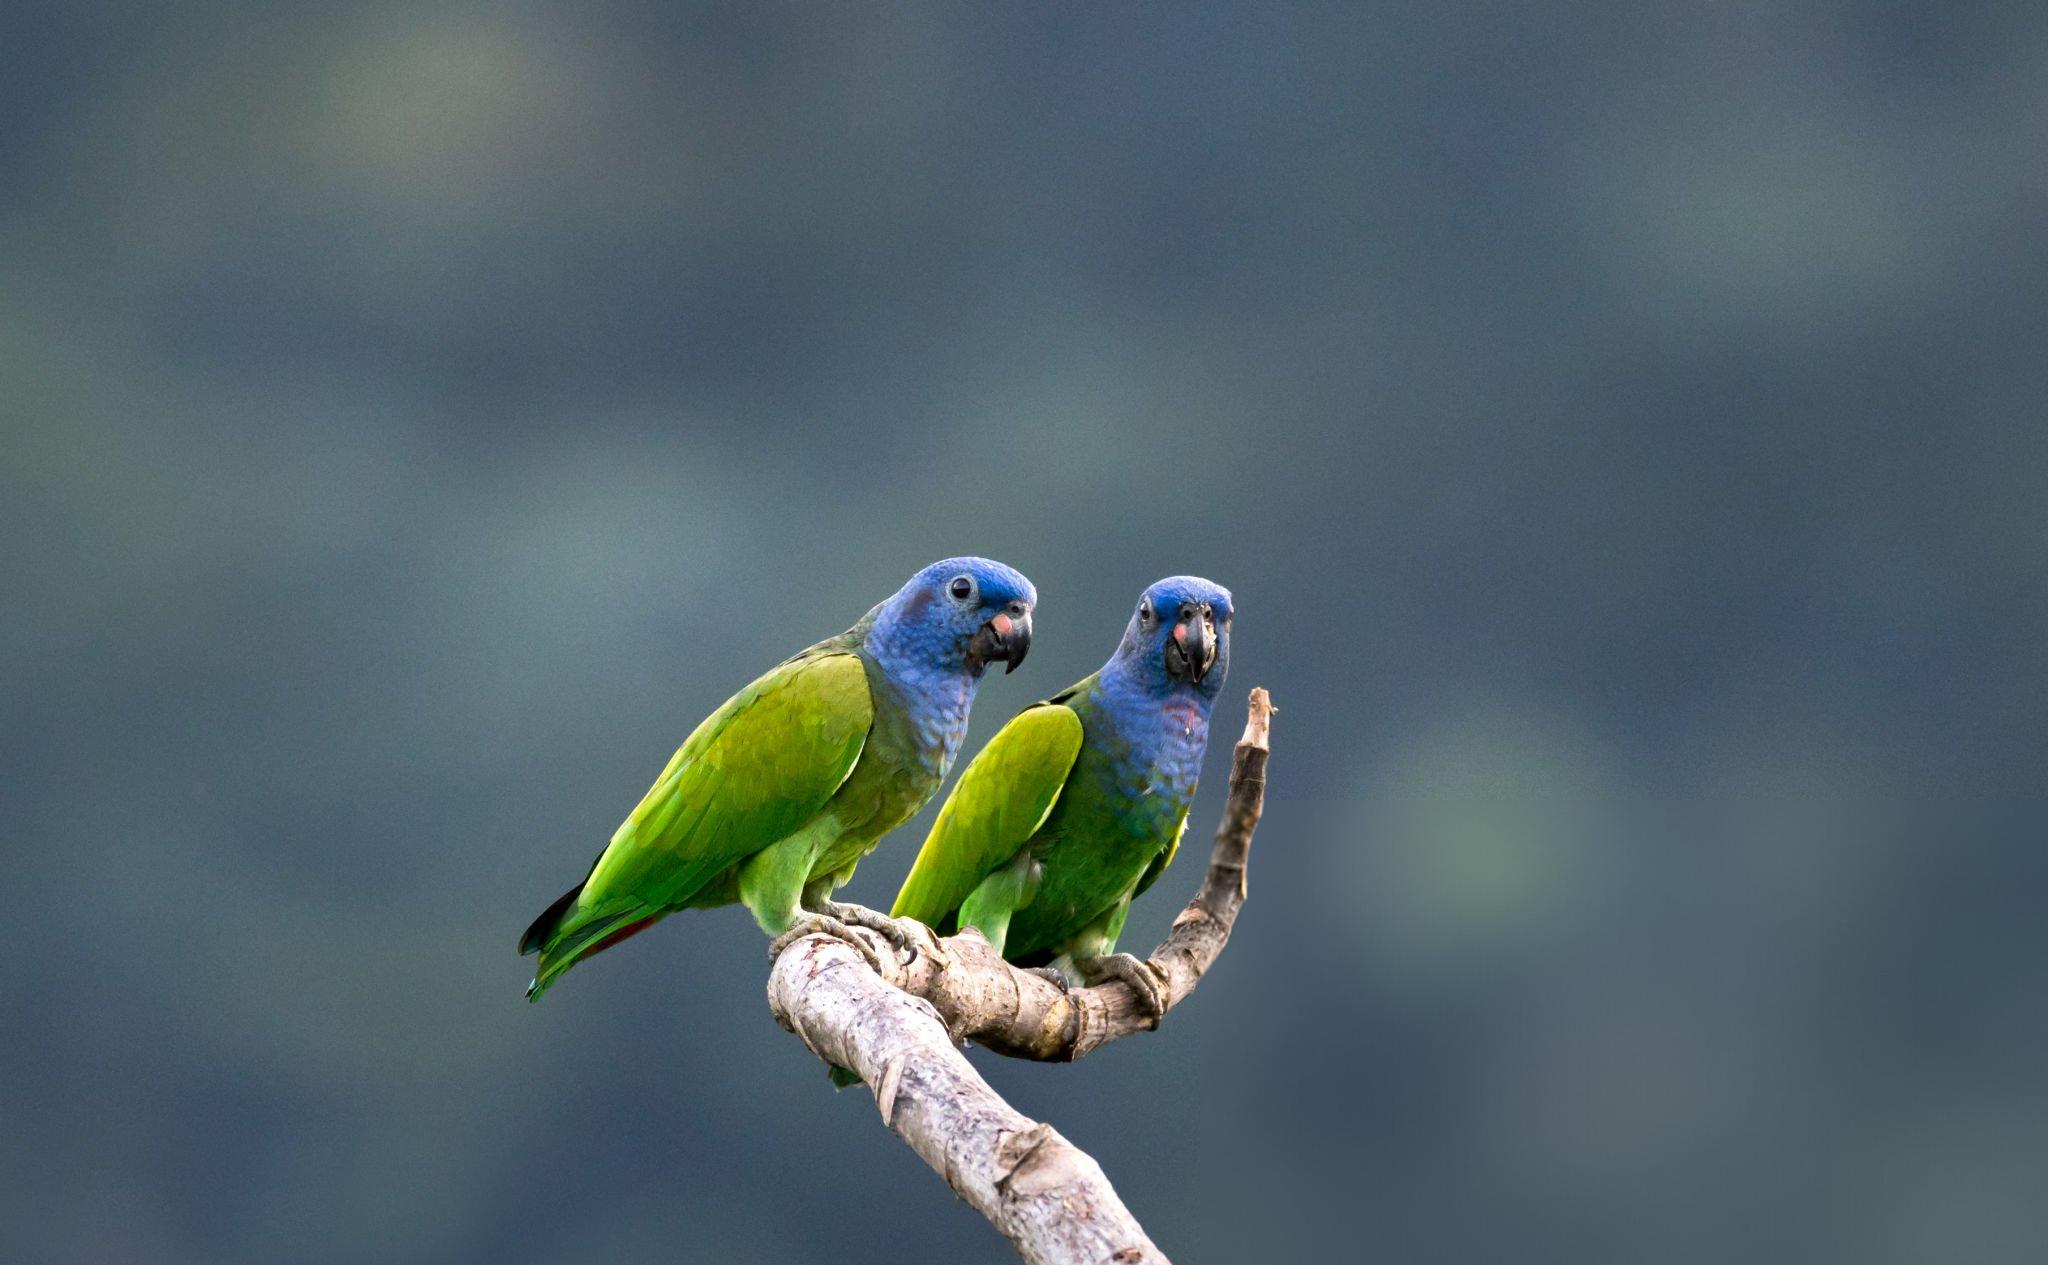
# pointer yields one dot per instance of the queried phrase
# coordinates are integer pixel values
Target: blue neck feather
(921, 661)
(1164, 724)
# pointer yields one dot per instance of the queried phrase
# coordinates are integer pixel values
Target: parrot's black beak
(1004, 639)
(1191, 651)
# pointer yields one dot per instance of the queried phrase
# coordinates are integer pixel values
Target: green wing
(757, 770)
(999, 803)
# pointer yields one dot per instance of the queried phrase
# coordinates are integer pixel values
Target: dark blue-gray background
(1623, 430)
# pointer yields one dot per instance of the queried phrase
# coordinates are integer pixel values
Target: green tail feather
(549, 922)
(562, 940)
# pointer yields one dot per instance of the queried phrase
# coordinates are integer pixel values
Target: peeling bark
(900, 1030)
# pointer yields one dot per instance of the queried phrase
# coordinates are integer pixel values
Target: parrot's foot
(1056, 975)
(879, 923)
(810, 923)
(1145, 979)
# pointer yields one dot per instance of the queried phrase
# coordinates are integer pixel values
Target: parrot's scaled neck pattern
(932, 639)
(1161, 728)
(936, 695)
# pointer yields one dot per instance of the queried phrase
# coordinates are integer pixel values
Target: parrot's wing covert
(1000, 802)
(757, 770)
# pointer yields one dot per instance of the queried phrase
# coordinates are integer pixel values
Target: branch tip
(1258, 720)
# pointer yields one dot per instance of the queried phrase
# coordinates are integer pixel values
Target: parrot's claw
(1145, 979)
(1056, 975)
(810, 923)
(879, 923)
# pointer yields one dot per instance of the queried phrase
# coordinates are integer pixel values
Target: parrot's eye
(1145, 612)
(961, 588)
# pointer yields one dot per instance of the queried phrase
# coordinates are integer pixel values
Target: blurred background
(1622, 430)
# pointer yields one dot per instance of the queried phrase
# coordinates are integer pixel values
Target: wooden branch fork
(900, 1028)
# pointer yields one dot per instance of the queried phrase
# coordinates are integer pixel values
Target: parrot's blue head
(1178, 638)
(956, 615)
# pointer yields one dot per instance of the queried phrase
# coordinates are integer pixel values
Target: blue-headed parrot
(774, 799)
(1078, 804)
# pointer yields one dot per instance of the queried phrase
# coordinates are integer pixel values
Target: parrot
(1078, 804)
(778, 794)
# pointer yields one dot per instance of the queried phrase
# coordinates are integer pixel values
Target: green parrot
(774, 799)
(1078, 804)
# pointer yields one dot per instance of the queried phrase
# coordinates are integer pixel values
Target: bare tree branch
(900, 1029)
